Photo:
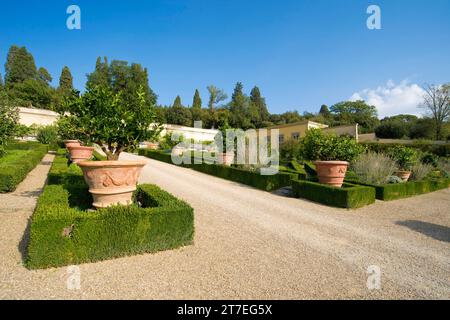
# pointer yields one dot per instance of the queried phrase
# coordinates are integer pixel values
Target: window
(281, 138)
(295, 135)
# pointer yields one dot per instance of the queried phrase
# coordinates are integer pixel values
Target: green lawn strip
(18, 162)
(349, 196)
(253, 179)
(63, 232)
(395, 191)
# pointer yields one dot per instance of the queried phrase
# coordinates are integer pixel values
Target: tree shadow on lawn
(435, 231)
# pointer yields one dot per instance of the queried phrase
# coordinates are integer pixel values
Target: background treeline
(27, 85)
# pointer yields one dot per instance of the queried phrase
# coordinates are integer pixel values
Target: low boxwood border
(349, 196)
(395, 191)
(64, 232)
(253, 179)
(11, 174)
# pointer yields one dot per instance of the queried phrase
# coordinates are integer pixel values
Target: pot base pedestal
(111, 182)
(105, 198)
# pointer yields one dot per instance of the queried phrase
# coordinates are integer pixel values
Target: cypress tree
(1, 82)
(324, 111)
(197, 101)
(239, 108)
(258, 106)
(65, 80)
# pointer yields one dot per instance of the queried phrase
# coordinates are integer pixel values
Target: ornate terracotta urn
(226, 159)
(331, 172)
(111, 182)
(72, 143)
(403, 174)
(80, 153)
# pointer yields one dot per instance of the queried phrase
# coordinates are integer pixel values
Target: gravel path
(253, 244)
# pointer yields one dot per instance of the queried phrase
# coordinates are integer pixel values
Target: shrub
(429, 158)
(420, 171)
(47, 135)
(441, 150)
(374, 168)
(444, 166)
(349, 196)
(392, 129)
(404, 156)
(317, 145)
(62, 232)
(18, 163)
(290, 150)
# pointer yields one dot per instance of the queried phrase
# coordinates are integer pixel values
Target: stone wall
(40, 117)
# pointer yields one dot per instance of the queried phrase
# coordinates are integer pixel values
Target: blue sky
(300, 53)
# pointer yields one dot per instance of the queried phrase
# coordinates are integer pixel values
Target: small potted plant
(116, 124)
(225, 146)
(331, 155)
(405, 158)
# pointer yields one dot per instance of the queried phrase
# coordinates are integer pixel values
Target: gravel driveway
(257, 245)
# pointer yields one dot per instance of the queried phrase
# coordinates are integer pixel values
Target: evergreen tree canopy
(120, 76)
(258, 109)
(197, 101)
(44, 75)
(239, 108)
(324, 111)
(19, 66)
(1, 82)
(66, 80)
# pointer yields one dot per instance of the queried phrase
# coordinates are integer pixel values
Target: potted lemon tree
(405, 158)
(331, 155)
(116, 124)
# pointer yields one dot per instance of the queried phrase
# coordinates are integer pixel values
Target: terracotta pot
(72, 143)
(331, 172)
(226, 158)
(403, 174)
(153, 145)
(80, 153)
(178, 151)
(111, 182)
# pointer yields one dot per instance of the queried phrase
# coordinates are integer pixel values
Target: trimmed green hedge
(442, 150)
(395, 191)
(253, 179)
(64, 232)
(349, 196)
(18, 162)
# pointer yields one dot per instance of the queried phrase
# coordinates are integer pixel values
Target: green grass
(349, 196)
(253, 179)
(20, 159)
(64, 232)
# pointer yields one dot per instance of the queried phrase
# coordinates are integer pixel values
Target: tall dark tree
(19, 66)
(196, 107)
(44, 75)
(257, 108)
(197, 101)
(324, 111)
(239, 108)
(66, 80)
(100, 76)
(1, 82)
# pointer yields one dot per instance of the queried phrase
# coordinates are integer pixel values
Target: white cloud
(392, 99)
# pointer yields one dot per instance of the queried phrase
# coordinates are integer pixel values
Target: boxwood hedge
(15, 166)
(254, 179)
(349, 196)
(395, 191)
(63, 231)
